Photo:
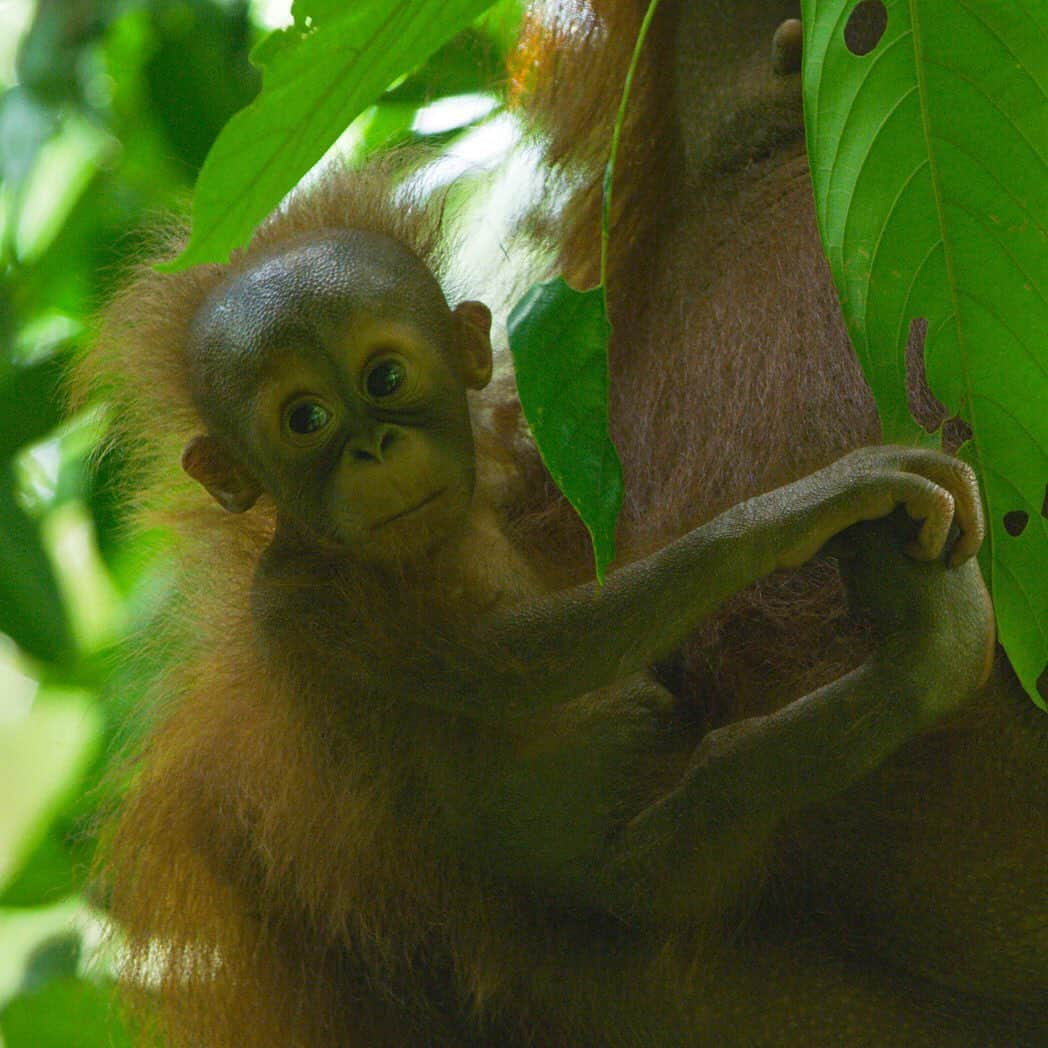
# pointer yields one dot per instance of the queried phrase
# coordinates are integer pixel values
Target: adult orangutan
(731, 375)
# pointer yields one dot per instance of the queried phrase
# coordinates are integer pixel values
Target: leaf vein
(1027, 351)
(905, 314)
(873, 136)
(1017, 422)
(978, 17)
(936, 186)
(1005, 116)
(980, 220)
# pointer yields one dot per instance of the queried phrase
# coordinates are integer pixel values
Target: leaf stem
(620, 119)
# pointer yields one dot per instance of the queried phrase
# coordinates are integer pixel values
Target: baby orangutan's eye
(384, 379)
(306, 418)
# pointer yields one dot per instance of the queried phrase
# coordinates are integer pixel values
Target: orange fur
(212, 840)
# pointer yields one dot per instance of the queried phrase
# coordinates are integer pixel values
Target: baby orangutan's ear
(227, 481)
(473, 324)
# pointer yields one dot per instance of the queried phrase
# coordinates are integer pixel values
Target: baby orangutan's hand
(935, 490)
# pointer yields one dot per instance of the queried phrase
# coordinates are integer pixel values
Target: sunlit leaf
(929, 159)
(318, 75)
(64, 169)
(42, 757)
(559, 339)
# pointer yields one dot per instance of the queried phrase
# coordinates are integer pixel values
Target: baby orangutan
(412, 791)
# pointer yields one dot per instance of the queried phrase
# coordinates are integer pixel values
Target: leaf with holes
(318, 76)
(559, 340)
(929, 157)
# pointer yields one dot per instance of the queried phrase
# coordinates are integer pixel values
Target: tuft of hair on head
(380, 197)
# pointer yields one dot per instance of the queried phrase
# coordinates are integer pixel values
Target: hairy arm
(702, 844)
(541, 652)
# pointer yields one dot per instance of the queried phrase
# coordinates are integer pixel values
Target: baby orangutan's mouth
(412, 509)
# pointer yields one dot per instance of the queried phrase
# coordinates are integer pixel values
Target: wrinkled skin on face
(333, 376)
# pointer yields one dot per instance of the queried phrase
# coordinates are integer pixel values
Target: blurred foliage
(107, 111)
(267, 148)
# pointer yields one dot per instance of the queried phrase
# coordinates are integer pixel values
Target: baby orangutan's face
(335, 376)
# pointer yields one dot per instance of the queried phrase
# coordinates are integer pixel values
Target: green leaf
(65, 1012)
(468, 64)
(46, 875)
(42, 758)
(929, 160)
(31, 607)
(31, 395)
(318, 75)
(559, 338)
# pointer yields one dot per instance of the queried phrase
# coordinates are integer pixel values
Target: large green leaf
(318, 75)
(559, 339)
(929, 159)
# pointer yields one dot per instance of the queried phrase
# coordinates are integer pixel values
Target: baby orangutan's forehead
(303, 295)
(312, 287)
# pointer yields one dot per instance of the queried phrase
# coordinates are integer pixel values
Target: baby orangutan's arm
(545, 651)
(696, 848)
(705, 840)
